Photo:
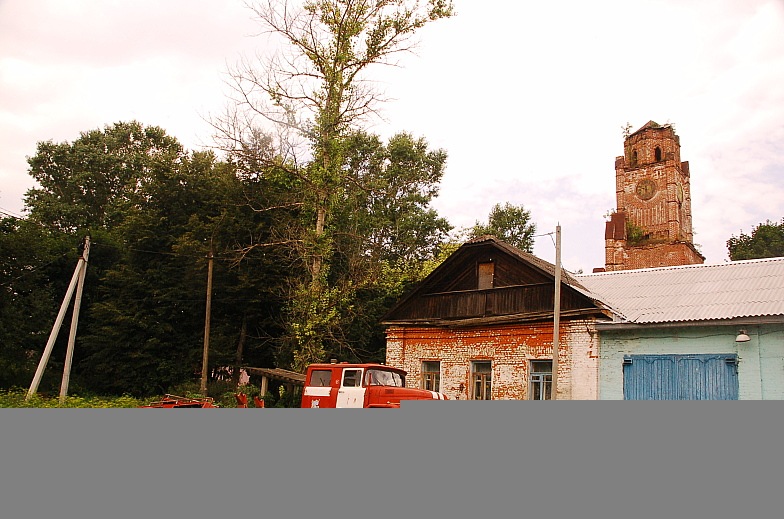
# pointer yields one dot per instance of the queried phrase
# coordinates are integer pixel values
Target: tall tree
(509, 223)
(765, 241)
(389, 188)
(318, 91)
(384, 231)
(94, 181)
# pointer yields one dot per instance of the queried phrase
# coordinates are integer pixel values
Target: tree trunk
(235, 378)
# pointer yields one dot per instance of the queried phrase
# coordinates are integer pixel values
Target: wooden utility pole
(207, 325)
(78, 277)
(556, 312)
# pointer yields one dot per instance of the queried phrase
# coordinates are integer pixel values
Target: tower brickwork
(652, 224)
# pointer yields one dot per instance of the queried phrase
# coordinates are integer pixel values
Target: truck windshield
(378, 377)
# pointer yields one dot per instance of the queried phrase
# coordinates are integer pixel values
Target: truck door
(351, 392)
(319, 392)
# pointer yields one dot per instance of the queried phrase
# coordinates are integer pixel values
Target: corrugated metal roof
(753, 288)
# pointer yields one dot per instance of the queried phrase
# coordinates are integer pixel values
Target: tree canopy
(509, 223)
(142, 319)
(143, 310)
(95, 181)
(765, 241)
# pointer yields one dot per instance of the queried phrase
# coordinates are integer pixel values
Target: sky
(528, 99)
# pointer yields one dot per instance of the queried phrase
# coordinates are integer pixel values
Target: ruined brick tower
(651, 226)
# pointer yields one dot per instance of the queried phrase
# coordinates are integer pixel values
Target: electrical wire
(34, 269)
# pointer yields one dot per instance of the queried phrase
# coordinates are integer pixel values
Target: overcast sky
(527, 98)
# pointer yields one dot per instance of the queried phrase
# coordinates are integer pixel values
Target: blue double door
(680, 377)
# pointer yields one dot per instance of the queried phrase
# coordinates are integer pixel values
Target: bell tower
(651, 226)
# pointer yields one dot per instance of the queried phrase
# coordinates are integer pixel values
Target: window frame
(344, 377)
(316, 376)
(481, 381)
(540, 383)
(428, 374)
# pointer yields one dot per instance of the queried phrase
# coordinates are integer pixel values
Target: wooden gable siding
(522, 289)
(463, 273)
(514, 300)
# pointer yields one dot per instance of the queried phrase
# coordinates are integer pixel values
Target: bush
(16, 397)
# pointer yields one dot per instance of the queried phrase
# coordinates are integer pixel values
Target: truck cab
(346, 385)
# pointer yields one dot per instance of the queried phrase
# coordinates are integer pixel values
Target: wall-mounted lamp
(742, 336)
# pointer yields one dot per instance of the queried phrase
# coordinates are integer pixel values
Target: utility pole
(77, 276)
(207, 324)
(74, 322)
(556, 312)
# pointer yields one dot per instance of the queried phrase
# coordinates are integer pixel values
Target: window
(634, 158)
(541, 379)
(352, 378)
(431, 375)
(658, 153)
(321, 377)
(481, 380)
(486, 271)
(379, 377)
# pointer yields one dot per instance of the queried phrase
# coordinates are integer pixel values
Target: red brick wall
(509, 347)
(619, 257)
(664, 211)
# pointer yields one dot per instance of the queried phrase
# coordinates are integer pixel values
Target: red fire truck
(359, 385)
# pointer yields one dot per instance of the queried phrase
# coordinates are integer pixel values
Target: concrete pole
(74, 321)
(55, 330)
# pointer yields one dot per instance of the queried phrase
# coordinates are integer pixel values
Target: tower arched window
(634, 158)
(658, 154)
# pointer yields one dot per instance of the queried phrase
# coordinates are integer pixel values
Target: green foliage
(446, 250)
(635, 235)
(765, 241)
(509, 223)
(142, 318)
(94, 181)
(385, 213)
(225, 393)
(36, 266)
(383, 231)
(282, 399)
(312, 319)
(16, 397)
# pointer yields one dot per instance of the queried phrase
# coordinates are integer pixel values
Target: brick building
(652, 225)
(480, 326)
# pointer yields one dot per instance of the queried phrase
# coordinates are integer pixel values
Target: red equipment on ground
(174, 401)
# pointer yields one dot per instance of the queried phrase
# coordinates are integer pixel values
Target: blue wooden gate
(680, 377)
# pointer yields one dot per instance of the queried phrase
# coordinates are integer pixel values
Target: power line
(31, 270)
(228, 257)
(6, 212)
